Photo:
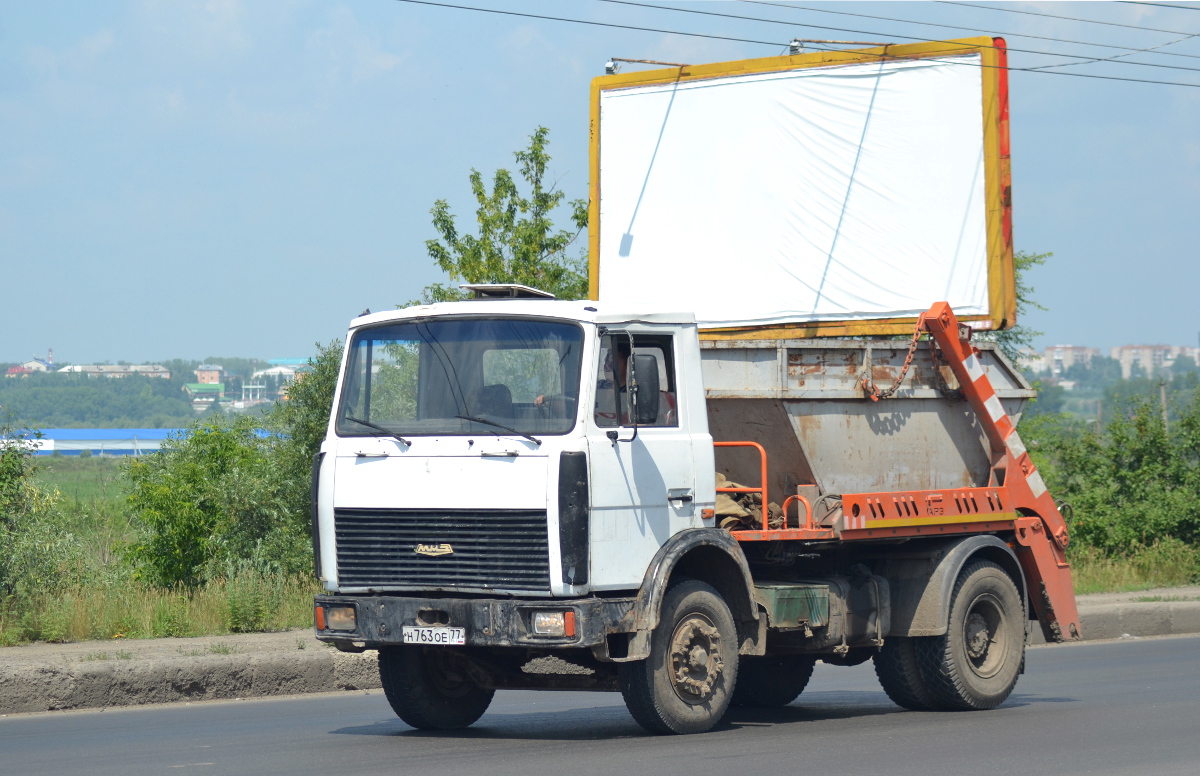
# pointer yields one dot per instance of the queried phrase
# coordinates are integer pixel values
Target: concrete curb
(26, 687)
(50, 677)
(1164, 611)
(1111, 621)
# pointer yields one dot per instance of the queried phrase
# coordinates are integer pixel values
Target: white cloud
(95, 45)
(210, 29)
(524, 36)
(352, 51)
(175, 101)
(50, 62)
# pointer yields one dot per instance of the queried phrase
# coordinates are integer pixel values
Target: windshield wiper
(384, 431)
(472, 418)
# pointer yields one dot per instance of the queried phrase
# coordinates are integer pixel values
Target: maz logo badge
(434, 549)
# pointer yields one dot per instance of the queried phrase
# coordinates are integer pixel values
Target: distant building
(119, 370)
(34, 364)
(210, 374)
(1029, 360)
(1060, 358)
(38, 365)
(284, 374)
(102, 441)
(1192, 353)
(1149, 358)
(203, 394)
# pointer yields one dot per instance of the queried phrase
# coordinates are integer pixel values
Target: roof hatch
(504, 291)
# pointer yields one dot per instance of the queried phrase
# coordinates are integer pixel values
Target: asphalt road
(1127, 707)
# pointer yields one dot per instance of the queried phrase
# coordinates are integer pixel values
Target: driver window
(612, 407)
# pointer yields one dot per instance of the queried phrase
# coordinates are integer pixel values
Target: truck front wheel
(428, 688)
(975, 665)
(686, 684)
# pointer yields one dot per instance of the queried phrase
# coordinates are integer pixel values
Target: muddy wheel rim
(985, 636)
(696, 661)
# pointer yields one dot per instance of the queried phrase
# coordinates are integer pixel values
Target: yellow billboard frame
(1002, 298)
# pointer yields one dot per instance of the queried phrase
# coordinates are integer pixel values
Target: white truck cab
(457, 427)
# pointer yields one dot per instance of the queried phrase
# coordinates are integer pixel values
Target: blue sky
(203, 177)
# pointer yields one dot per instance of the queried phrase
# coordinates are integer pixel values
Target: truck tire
(428, 691)
(771, 682)
(687, 682)
(975, 665)
(898, 672)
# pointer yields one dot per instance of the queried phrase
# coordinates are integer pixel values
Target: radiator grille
(493, 548)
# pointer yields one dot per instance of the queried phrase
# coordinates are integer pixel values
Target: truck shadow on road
(612, 721)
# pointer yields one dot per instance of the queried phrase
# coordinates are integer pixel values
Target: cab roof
(584, 311)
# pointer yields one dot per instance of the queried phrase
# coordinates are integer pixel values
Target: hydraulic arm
(1041, 531)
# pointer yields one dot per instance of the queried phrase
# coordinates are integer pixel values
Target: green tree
(36, 552)
(1050, 401)
(226, 493)
(1013, 340)
(1184, 365)
(304, 416)
(1132, 483)
(186, 498)
(517, 241)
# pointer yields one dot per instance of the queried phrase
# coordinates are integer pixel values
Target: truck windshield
(462, 376)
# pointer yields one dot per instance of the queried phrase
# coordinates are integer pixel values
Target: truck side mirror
(645, 371)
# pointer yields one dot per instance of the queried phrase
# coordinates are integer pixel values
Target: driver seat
(495, 400)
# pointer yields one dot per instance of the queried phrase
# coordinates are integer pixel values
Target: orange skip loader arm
(1041, 532)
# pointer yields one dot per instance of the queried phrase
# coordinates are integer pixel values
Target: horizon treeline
(73, 400)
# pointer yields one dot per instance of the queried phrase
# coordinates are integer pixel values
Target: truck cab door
(642, 476)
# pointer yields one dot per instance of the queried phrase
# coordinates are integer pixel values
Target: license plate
(447, 636)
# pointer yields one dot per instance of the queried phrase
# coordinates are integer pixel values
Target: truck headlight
(340, 618)
(561, 624)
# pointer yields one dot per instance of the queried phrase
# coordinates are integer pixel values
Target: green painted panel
(791, 604)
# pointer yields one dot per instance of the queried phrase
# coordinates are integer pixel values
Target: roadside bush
(212, 494)
(1165, 563)
(36, 552)
(1131, 484)
(228, 495)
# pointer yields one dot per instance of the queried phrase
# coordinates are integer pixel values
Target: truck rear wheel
(686, 684)
(770, 682)
(898, 672)
(975, 665)
(429, 690)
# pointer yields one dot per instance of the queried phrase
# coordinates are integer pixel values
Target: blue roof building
(103, 441)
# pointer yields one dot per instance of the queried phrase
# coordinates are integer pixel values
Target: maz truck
(727, 464)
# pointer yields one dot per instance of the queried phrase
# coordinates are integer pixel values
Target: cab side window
(612, 396)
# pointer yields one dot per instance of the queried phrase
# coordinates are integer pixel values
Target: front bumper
(380, 619)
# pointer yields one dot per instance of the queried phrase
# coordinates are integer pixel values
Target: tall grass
(83, 479)
(1166, 563)
(250, 602)
(106, 601)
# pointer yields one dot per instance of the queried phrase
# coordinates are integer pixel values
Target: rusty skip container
(803, 400)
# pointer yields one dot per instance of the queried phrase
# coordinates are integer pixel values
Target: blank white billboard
(834, 193)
